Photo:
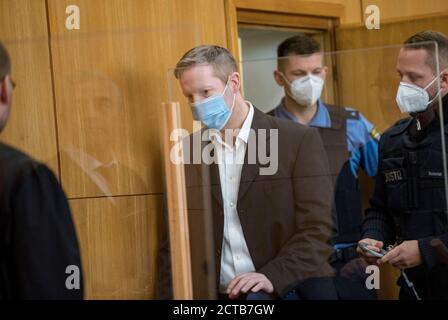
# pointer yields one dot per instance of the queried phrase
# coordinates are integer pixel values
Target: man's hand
(374, 245)
(406, 255)
(246, 282)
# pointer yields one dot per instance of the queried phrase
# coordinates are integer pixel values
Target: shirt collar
(321, 118)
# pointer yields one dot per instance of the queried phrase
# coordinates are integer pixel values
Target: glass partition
(87, 105)
(301, 201)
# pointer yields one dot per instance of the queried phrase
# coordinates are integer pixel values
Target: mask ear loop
(430, 84)
(284, 78)
(432, 81)
(233, 103)
(225, 89)
(290, 86)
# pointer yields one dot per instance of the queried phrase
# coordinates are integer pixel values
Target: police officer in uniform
(408, 206)
(350, 140)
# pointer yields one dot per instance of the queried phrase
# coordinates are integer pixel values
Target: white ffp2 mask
(411, 98)
(306, 90)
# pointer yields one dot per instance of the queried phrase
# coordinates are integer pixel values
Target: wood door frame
(280, 13)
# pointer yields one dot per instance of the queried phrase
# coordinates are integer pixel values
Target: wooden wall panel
(352, 10)
(389, 34)
(110, 77)
(32, 126)
(119, 239)
(402, 9)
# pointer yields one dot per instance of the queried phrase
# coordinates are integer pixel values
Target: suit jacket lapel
(215, 184)
(251, 170)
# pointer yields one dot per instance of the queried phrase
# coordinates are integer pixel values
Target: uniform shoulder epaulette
(375, 134)
(352, 114)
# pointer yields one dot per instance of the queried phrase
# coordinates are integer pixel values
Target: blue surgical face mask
(213, 111)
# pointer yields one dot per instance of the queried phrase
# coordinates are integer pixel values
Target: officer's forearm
(379, 226)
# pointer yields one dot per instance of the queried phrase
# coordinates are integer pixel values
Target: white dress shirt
(235, 256)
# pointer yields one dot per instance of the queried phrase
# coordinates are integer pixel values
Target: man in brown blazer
(268, 212)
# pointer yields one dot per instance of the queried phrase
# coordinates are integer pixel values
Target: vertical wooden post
(232, 29)
(177, 207)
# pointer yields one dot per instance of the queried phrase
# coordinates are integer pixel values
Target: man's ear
(235, 81)
(444, 79)
(279, 78)
(325, 72)
(4, 99)
(444, 82)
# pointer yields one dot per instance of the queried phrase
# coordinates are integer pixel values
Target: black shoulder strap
(335, 140)
(338, 116)
(352, 114)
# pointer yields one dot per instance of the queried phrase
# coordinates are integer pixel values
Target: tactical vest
(347, 209)
(413, 175)
(414, 180)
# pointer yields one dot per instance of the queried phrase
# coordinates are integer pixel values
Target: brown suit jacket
(285, 217)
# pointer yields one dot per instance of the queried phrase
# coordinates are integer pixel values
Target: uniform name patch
(393, 175)
(435, 174)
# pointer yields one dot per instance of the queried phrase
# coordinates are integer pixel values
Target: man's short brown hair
(5, 62)
(424, 40)
(219, 58)
(300, 44)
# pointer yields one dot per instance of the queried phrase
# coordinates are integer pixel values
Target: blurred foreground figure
(39, 253)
